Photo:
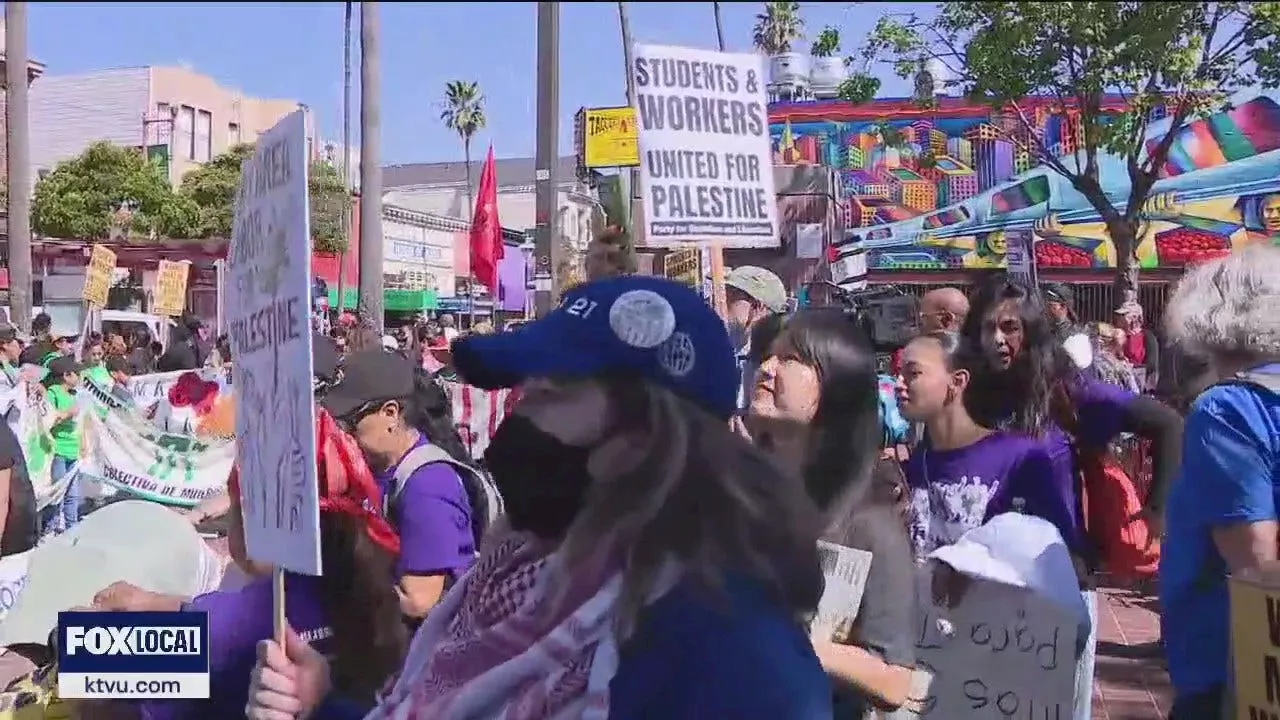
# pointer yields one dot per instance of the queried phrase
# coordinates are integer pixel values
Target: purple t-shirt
(955, 491)
(238, 619)
(433, 517)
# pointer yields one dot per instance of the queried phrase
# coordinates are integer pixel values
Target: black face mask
(542, 480)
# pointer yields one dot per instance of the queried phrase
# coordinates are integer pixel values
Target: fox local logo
(100, 640)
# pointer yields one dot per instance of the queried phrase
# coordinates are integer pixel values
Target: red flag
(486, 231)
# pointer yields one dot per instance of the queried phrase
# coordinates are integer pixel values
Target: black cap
(8, 332)
(64, 364)
(369, 376)
(325, 358)
(1059, 292)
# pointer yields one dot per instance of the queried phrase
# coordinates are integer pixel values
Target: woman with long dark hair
(653, 565)
(1027, 383)
(815, 407)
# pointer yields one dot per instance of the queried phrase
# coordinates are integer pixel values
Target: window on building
(204, 136)
(185, 133)
(233, 134)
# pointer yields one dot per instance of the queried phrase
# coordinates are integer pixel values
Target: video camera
(887, 315)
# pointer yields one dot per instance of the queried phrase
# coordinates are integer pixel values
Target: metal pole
(635, 210)
(370, 169)
(346, 153)
(547, 156)
(715, 6)
(18, 173)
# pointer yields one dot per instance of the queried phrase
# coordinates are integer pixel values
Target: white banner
(13, 577)
(127, 451)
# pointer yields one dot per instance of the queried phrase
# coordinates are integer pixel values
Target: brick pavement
(1130, 682)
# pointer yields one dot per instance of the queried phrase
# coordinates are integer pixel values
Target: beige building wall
(201, 119)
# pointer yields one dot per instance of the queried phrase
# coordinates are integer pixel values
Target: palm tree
(777, 27)
(464, 114)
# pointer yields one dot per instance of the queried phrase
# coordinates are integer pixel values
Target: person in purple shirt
(392, 407)
(1028, 384)
(349, 614)
(962, 474)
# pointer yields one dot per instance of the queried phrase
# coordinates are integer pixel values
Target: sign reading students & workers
(705, 161)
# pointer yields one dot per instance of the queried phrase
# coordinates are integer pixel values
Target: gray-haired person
(1221, 514)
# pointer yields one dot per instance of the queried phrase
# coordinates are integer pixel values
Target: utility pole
(547, 158)
(18, 177)
(346, 152)
(370, 168)
(715, 6)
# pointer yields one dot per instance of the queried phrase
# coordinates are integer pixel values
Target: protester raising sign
(705, 160)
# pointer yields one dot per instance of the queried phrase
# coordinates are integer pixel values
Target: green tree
(109, 187)
(212, 190)
(777, 28)
(1188, 57)
(463, 113)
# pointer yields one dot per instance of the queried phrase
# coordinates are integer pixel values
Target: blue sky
(294, 50)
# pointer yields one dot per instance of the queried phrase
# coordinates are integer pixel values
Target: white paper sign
(268, 313)
(706, 164)
(809, 238)
(845, 571)
(1002, 652)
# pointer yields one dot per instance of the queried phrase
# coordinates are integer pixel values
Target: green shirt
(66, 433)
(99, 374)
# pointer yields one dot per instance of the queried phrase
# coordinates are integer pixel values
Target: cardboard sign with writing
(171, 288)
(683, 265)
(1002, 652)
(97, 277)
(268, 315)
(1255, 643)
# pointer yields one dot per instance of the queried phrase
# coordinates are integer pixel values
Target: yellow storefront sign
(609, 138)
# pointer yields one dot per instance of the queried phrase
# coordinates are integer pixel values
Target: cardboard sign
(1255, 643)
(97, 277)
(171, 288)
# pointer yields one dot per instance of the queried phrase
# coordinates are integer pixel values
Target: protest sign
(1001, 652)
(13, 577)
(269, 265)
(1255, 642)
(845, 571)
(97, 277)
(706, 165)
(684, 265)
(171, 287)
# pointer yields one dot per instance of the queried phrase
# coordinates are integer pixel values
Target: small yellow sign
(684, 265)
(97, 277)
(1255, 642)
(171, 288)
(609, 138)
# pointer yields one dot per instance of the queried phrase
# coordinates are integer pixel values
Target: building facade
(177, 114)
(959, 182)
(418, 251)
(441, 189)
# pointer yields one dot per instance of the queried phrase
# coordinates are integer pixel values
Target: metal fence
(1095, 301)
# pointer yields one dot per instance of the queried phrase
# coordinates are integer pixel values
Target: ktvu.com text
(129, 656)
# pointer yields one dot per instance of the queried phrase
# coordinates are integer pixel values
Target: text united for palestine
(703, 124)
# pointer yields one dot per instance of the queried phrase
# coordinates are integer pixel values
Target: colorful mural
(941, 188)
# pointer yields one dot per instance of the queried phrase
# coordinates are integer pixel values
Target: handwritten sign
(269, 266)
(845, 571)
(1002, 652)
(684, 265)
(171, 288)
(1020, 257)
(1255, 643)
(13, 577)
(97, 277)
(706, 163)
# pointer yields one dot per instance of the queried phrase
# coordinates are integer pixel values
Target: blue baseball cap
(653, 327)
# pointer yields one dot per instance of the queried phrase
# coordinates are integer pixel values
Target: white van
(125, 322)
